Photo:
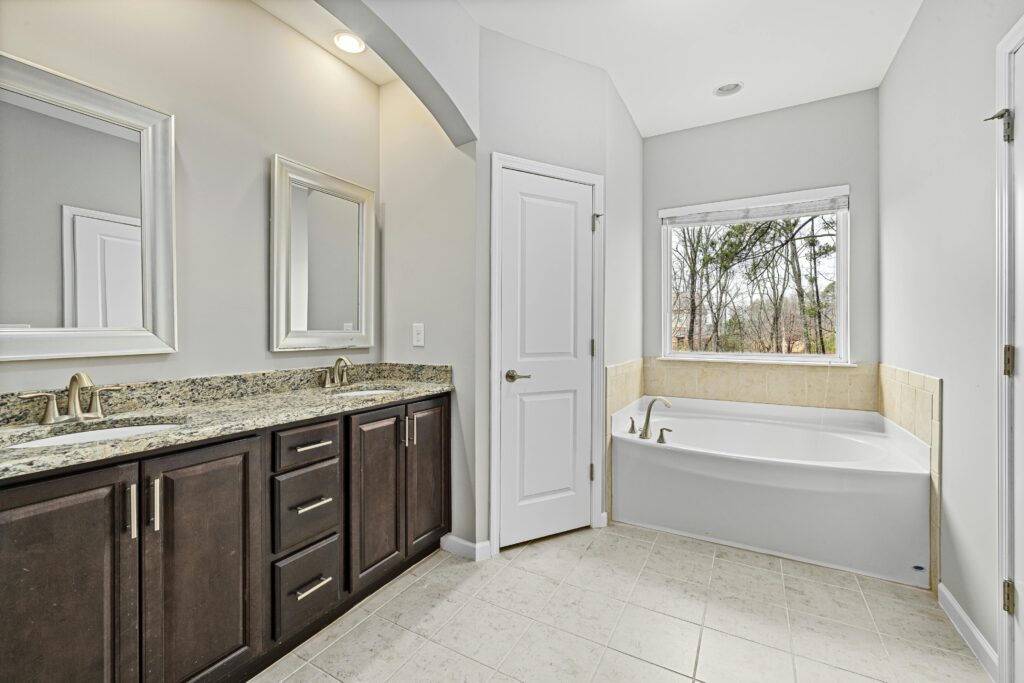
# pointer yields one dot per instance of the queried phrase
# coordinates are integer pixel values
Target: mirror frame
(286, 173)
(159, 333)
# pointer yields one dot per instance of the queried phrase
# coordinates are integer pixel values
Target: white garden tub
(841, 488)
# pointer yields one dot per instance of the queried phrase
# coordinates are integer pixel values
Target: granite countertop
(199, 421)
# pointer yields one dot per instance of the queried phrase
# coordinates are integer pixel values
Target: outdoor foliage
(763, 287)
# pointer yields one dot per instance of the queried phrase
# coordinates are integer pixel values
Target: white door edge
(1005, 52)
(500, 162)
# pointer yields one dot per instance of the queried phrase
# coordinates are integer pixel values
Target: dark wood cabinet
(201, 555)
(428, 479)
(377, 488)
(209, 563)
(69, 579)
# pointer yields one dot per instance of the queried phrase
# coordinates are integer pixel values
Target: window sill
(812, 362)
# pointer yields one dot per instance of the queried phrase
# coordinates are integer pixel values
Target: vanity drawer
(294, 447)
(306, 503)
(306, 584)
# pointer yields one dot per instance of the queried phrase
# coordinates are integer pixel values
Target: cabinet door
(428, 474)
(69, 579)
(201, 547)
(377, 494)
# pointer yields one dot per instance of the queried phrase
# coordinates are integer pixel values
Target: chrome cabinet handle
(512, 376)
(313, 446)
(321, 582)
(414, 430)
(406, 431)
(133, 511)
(156, 504)
(306, 507)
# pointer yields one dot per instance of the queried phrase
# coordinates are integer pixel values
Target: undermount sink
(366, 392)
(96, 435)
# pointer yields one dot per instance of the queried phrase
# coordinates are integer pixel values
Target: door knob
(512, 376)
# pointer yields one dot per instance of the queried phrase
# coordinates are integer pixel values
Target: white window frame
(841, 356)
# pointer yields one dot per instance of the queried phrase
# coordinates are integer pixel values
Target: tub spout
(645, 432)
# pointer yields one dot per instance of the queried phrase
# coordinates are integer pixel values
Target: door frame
(1006, 283)
(501, 162)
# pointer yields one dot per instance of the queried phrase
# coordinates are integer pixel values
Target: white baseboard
(970, 633)
(601, 521)
(467, 549)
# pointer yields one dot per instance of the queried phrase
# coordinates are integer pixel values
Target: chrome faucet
(338, 375)
(74, 412)
(645, 432)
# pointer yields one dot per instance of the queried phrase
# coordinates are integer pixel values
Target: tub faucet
(645, 432)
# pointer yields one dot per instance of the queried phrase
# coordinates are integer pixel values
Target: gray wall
(242, 86)
(938, 264)
(830, 142)
(45, 163)
(427, 216)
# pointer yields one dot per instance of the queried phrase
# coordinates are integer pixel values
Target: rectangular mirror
(322, 246)
(86, 220)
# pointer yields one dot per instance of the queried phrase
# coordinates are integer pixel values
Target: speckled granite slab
(184, 392)
(212, 413)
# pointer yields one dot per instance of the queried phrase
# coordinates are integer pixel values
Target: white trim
(500, 162)
(842, 356)
(467, 549)
(1005, 282)
(969, 632)
(754, 202)
(156, 141)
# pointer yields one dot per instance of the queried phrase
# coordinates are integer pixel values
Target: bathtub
(841, 488)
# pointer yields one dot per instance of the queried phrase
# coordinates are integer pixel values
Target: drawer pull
(313, 446)
(321, 582)
(306, 507)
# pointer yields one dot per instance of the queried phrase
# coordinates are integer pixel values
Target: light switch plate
(418, 335)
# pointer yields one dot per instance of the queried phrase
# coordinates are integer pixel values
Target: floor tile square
(843, 646)
(519, 591)
(728, 659)
(583, 613)
(328, 636)
(435, 663)
(681, 599)
(915, 621)
(915, 663)
(680, 563)
(424, 607)
(831, 602)
(729, 578)
(616, 667)
(749, 557)
(657, 638)
(760, 622)
(810, 671)
(483, 632)
(466, 576)
(547, 655)
(638, 533)
(813, 572)
(371, 651)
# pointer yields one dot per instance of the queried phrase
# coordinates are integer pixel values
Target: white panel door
(546, 327)
(107, 279)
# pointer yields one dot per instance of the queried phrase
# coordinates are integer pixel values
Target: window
(761, 279)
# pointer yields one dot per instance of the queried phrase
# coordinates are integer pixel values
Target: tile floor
(631, 604)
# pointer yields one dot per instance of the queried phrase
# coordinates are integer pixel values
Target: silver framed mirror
(86, 220)
(322, 260)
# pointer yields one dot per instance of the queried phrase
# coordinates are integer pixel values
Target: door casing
(499, 163)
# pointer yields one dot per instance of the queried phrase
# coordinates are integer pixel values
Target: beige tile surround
(627, 604)
(854, 388)
(914, 401)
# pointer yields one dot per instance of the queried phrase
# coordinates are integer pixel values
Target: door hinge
(1007, 116)
(593, 347)
(1009, 597)
(593, 221)
(591, 471)
(1009, 360)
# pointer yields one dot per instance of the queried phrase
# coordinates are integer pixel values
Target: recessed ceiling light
(349, 42)
(728, 89)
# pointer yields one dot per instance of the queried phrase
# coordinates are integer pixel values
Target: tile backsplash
(853, 388)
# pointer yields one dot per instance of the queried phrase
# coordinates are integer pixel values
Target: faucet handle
(632, 426)
(327, 379)
(50, 414)
(95, 407)
(661, 434)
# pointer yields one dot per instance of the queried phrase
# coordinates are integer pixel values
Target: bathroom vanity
(207, 550)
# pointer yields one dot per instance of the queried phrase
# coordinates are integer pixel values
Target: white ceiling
(667, 56)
